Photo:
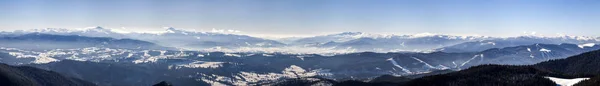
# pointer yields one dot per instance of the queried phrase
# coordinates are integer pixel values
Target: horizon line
(124, 30)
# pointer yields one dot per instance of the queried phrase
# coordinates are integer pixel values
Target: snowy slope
(566, 82)
(385, 42)
(517, 41)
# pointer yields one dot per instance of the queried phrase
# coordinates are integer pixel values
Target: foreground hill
(485, 75)
(594, 81)
(30, 76)
(489, 75)
(584, 64)
(105, 74)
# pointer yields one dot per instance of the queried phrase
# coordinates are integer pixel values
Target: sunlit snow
(545, 50)
(586, 45)
(566, 82)
(396, 64)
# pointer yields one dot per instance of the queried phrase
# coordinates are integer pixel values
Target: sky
(287, 18)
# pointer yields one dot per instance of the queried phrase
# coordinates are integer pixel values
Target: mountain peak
(98, 29)
(173, 30)
(170, 28)
(178, 31)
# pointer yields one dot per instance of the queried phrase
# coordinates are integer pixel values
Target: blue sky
(312, 17)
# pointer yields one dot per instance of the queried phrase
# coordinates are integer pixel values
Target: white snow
(44, 59)
(213, 83)
(396, 64)
(201, 64)
(40, 58)
(145, 60)
(545, 50)
(21, 55)
(566, 82)
(246, 78)
(488, 43)
(531, 55)
(455, 65)
(93, 54)
(463, 64)
(297, 72)
(440, 67)
(586, 45)
(233, 55)
(285, 50)
(423, 35)
(267, 55)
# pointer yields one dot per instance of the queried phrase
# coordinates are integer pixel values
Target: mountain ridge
(48, 41)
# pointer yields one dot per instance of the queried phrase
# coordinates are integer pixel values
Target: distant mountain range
(109, 57)
(385, 43)
(39, 41)
(516, 41)
(429, 42)
(203, 40)
(347, 41)
(171, 37)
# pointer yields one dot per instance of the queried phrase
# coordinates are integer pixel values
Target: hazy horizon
(238, 32)
(289, 18)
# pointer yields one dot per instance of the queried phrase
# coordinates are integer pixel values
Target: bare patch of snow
(250, 78)
(44, 59)
(267, 55)
(463, 64)
(440, 67)
(233, 55)
(566, 82)
(213, 83)
(586, 45)
(531, 55)
(201, 64)
(545, 50)
(396, 64)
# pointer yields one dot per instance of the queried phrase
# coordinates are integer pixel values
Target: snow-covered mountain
(345, 42)
(340, 37)
(385, 43)
(89, 32)
(171, 37)
(360, 42)
(481, 45)
(203, 40)
(38, 41)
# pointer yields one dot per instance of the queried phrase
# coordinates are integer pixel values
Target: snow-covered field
(566, 82)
